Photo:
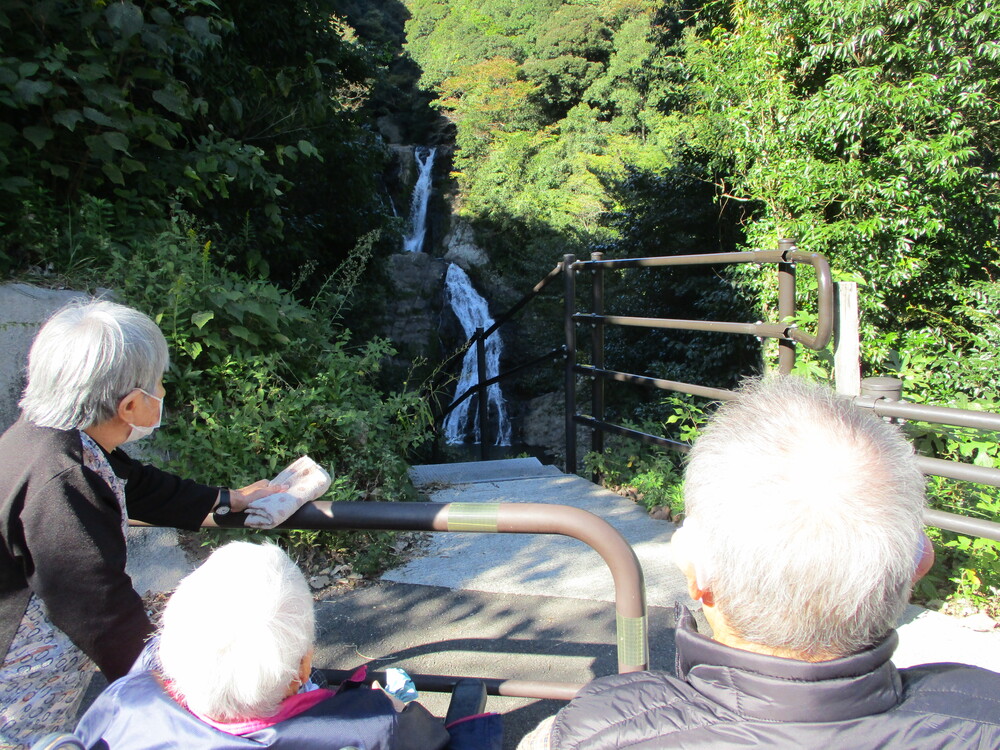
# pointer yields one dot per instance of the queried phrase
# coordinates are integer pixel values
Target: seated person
(803, 536)
(231, 669)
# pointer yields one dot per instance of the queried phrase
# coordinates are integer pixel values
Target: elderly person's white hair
(805, 519)
(235, 632)
(85, 359)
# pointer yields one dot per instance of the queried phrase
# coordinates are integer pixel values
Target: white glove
(306, 481)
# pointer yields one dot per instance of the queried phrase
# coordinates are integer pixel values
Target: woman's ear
(127, 406)
(305, 667)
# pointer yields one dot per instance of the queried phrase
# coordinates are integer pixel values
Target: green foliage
(651, 475)
(865, 130)
(869, 138)
(257, 379)
(688, 224)
(244, 113)
(552, 102)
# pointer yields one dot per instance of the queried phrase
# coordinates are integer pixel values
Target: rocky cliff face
(416, 317)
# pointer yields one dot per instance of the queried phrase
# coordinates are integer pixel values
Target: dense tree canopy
(246, 113)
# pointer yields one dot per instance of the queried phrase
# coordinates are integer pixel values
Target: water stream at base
(472, 312)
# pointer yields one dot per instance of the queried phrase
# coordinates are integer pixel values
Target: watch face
(222, 510)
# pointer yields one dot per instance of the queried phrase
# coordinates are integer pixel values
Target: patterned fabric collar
(95, 459)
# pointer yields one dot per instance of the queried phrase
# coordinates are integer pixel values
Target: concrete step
(431, 476)
(537, 564)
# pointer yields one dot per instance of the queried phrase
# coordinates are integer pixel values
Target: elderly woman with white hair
(67, 490)
(231, 669)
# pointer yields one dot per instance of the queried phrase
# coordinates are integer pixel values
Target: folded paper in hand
(306, 481)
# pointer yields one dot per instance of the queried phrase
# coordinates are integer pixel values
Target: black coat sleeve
(160, 498)
(77, 567)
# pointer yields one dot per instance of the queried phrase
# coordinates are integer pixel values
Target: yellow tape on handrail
(473, 516)
(633, 642)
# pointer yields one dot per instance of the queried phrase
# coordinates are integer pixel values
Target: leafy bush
(650, 475)
(244, 113)
(260, 379)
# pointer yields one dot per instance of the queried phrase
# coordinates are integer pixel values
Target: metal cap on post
(891, 389)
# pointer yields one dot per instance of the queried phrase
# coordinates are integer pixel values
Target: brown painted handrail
(824, 281)
(505, 518)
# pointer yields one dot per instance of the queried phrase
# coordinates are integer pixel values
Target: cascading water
(414, 240)
(472, 313)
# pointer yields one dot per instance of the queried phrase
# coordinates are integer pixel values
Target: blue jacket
(136, 713)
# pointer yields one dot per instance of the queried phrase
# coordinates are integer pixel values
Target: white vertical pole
(846, 341)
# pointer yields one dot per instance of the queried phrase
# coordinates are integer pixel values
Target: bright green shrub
(258, 379)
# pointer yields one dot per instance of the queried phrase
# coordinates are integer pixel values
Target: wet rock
(462, 249)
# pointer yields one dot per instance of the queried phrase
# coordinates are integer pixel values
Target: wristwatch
(223, 508)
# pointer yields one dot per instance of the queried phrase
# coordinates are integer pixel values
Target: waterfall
(473, 313)
(414, 240)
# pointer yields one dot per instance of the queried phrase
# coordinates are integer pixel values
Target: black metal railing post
(597, 357)
(483, 403)
(569, 307)
(786, 306)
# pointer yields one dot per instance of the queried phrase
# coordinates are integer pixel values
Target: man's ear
(680, 547)
(925, 559)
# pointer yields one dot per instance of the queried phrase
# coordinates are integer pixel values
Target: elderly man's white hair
(235, 632)
(85, 359)
(806, 518)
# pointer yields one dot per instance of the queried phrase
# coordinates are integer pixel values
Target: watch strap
(224, 506)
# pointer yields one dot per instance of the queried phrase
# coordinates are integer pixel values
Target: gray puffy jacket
(731, 698)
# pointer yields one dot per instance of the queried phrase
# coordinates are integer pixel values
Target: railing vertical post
(569, 308)
(786, 306)
(597, 354)
(481, 391)
(889, 389)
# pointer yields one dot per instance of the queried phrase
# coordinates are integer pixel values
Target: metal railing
(881, 395)
(504, 518)
(788, 335)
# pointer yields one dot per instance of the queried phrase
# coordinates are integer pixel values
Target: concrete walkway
(557, 566)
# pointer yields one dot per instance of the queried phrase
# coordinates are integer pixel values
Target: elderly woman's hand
(301, 482)
(241, 498)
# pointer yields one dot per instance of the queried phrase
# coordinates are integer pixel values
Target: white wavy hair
(85, 359)
(806, 513)
(235, 631)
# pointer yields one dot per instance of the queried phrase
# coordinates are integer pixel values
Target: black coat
(725, 697)
(61, 538)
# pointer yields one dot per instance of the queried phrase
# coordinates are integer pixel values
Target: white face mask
(138, 432)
